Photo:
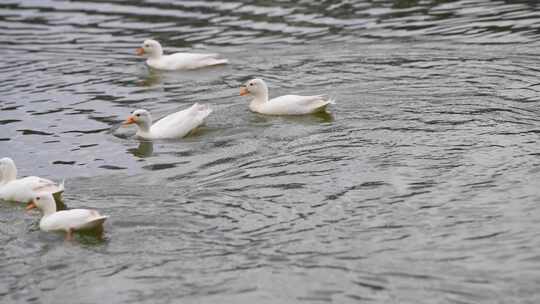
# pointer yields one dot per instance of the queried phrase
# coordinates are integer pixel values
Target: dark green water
(422, 186)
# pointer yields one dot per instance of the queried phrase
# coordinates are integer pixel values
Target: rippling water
(420, 187)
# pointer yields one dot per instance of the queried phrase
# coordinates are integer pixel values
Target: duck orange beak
(139, 51)
(30, 206)
(243, 91)
(129, 120)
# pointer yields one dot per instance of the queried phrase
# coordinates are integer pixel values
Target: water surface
(421, 186)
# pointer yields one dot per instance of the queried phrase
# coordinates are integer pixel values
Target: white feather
(283, 105)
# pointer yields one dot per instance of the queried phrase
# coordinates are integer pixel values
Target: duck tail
(323, 103)
(98, 219)
(58, 196)
(203, 110)
(61, 186)
(331, 100)
(217, 61)
(327, 99)
(96, 224)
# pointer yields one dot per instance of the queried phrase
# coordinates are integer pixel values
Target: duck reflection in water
(313, 118)
(153, 77)
(145, 149)
(324, 116)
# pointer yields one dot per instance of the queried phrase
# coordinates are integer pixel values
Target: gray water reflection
(145, 149)
(419, 187)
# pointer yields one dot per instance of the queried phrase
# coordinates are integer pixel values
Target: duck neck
(8, 173)
(144, 126)
(158, 52)
(49, 208)
(260, 97)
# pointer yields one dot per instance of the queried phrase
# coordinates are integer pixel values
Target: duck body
(177, 61)
(175, 125)
(290, 105)
(283, 105)
(23, 189)
(184, 61)
(72, 220)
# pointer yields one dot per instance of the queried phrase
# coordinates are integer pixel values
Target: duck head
(141, 118)
(255, 87)
(44, 202)
(150, 48)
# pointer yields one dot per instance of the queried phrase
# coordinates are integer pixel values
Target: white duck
(24, 189)
(66, 220)
(283, 105)
(176, 61)
(174, 125)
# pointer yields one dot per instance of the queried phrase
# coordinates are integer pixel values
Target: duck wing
(76, 219)
(187, 61)
(45, 185)
(179, 124)
(296, 104)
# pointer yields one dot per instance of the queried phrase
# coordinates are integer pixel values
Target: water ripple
(419, 187)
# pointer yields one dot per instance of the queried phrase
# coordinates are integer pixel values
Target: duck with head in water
(68, 221)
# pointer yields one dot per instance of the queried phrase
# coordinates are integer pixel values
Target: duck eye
(38, 198)
(138, 115)
(147, 45)
(251, 84)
